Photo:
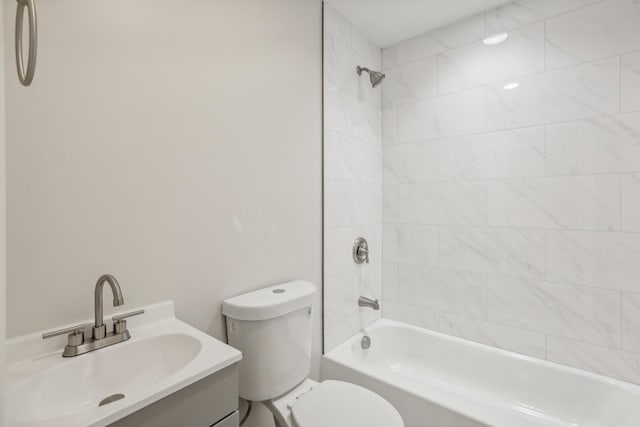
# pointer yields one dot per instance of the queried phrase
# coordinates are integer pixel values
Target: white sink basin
(159, 359)
(81, 383)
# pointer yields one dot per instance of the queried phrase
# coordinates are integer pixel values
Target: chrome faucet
(77, 344)
(99, 329)
(368, 302)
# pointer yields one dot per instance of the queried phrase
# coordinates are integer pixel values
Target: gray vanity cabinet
(212, 401)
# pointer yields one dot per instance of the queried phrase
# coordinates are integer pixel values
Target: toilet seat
(341, 404)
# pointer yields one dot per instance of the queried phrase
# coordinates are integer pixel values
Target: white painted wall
(175, 144)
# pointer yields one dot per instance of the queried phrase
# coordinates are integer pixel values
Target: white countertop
(162, 356)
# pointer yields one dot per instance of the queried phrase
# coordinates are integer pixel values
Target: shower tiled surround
(352, 178)
(510, 182)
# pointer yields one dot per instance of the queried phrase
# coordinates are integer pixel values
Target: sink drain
(111, 399)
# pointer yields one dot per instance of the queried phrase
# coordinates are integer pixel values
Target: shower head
(376, 77)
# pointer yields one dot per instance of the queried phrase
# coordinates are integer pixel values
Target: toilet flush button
(278, 291)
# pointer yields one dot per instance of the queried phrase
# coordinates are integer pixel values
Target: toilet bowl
(272, 328)
(333, 403)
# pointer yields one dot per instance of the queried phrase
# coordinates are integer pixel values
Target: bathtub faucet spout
(368, 302)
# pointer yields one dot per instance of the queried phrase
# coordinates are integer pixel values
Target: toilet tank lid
(270, 302)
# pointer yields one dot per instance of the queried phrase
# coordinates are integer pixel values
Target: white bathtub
(435, 380)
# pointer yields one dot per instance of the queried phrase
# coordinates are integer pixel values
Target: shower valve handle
(361, 251)
(364, 252)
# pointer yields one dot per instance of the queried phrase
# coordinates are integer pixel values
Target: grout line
(438, 66)
(397, 125)
(397, 295)
(486, 286)
(567, 12)
(620, 86)
(546, 334)
(397, 203)
(437, 245)
(544, 45)
(484, 22)
(520, 228)
(487, 187)
(491, 228)
(546, 346)
(513, 277)
(620, 204)
(437, 150)
(546, 255)
(622, 320)
(486, 109)
(518, 127)
(545, 151)
(462, 181)
(446, 180)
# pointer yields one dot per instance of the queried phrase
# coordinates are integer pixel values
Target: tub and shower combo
(481, 177)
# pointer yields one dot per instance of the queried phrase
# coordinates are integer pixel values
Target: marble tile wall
(352, 178)
(512, 216)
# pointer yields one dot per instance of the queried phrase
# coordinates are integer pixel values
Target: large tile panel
(581, 202)
(443, 290)
(524, 12)
(410, 244)
(583, 91)
(631, 322)
(631, 82)
(598, 145)
(631, 202)
(511, 252)
(478, 64)
(351, 159)
(604, 260)
(491, 155)
(411, 82)
(600, 30)
(449, 203)
(441, 117)
(416, 162)
(603, 360)
(588, 314)
(508, 338)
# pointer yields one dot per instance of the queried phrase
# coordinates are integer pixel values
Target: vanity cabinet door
(202, 404)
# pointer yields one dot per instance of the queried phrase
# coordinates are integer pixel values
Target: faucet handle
(364, 253)
(119, 322)
(360, 251)
(126, 315)
(75, 338)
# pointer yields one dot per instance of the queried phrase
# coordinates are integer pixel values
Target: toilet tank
(272, 329)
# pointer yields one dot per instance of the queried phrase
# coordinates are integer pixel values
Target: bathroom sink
(81, 383)
(159, 359)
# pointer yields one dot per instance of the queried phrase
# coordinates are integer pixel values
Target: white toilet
(272, 328)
